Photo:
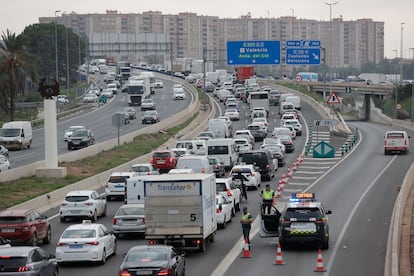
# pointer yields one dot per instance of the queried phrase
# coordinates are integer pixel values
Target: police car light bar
(302, 197)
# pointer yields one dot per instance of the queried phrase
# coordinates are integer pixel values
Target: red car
(24, 227)
(164, 160)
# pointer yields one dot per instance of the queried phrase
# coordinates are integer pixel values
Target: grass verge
(25, 189)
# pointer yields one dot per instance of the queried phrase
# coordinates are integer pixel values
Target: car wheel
(105, 210)
(233, 210)
(115, 247)
(224, 223)
(34, 240)
(117, 235)
(325, 243)
(48, 237)
(62, 219)
(230, 220)
(69, 147)
(94, 216)
(56, 273)
(103, 260)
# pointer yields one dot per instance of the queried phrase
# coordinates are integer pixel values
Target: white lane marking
(310, 172)
(351, 215)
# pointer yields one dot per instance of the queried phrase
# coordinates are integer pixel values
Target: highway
(359, 188)
(99, 119)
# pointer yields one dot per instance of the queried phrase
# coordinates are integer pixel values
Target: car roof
(15, 212)
(80, 193)
(139, 205)
(123, 173)
(83, 226)
(150, 247)
(17, 250)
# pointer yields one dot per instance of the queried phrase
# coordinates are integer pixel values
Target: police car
(304, 220)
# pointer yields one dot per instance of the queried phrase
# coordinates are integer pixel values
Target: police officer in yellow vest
(267, 195)
(246, 221)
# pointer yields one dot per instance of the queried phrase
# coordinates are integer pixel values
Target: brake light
(114, 221)
(267, 166)
(88, 203)
(93, 243)
(152, 160)
(124, 273)
(203, 170)
(218, 211)
(23, 268)
(63, 204)
(152, 242)
(60, 244)
(170, 159)
(405, 142)
(164, 271)
(4, 257)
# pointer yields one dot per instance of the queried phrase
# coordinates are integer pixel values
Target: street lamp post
(330, 44)
(67, 63)
(56, 49)
(401, 53)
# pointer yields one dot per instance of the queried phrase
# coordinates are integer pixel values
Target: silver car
(129, 219)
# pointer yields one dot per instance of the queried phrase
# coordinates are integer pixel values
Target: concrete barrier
(176, 119)
(53, 199)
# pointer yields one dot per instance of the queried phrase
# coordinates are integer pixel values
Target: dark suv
(164, 160)
(81, 138)
(262, 159)
(24, 227)
(304, 220)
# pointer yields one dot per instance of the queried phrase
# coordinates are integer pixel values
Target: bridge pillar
(367, 104)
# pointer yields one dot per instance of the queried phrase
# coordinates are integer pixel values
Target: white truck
(220, 128)
(134, 190)
(151, 78)
(138, 90)
(180, 210)
(16, 135)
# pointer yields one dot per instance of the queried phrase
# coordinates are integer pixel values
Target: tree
(15, 65)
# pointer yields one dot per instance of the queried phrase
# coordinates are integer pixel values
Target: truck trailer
(180, 210)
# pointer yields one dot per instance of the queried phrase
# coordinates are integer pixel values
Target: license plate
(144, 272)
(161, 162)
(75, 246)
(76, 142)
(7, 230)
(119, 186)
(75, 212)
(130, 221)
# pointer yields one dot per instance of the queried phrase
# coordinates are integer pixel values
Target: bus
(259, 99)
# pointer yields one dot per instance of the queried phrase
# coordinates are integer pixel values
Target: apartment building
(156, 36)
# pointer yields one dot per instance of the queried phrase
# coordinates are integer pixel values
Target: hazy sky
(15, 15)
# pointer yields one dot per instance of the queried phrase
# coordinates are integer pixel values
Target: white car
(262, 121)
(223, 210)
(273, 141)
(233, 114)
(228, 189)
(158, 84)
(243, 145)
(70, 130)
(179, 94)
(82, 204)
(243, 133)
(4, 163)
(85, 242)
(253, 176)
(107, 93)
(62, 99)
(296, 125)
(90, 98)
(144, 169)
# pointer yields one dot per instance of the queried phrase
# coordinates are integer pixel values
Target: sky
(15, 15)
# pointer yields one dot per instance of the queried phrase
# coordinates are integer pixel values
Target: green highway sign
(323, 150)
(348, 89)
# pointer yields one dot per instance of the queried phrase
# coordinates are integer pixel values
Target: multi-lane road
(360, 189)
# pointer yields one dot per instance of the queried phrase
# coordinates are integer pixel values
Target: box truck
(180, 210)
(16, 135)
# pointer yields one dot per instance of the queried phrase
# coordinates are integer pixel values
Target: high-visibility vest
(245, 217)
(268, 194)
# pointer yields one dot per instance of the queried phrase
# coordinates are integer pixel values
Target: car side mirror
(328, 212)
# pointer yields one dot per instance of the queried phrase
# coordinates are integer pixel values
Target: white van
(295, 100)
(283, 97)
(225, 150)
(286, 107)
(198, 163)
(16, 135)
(220, 127)
(134, 190)
(186, 144)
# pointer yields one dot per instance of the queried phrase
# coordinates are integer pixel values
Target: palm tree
(15, 65)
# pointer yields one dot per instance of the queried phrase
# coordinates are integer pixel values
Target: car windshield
(80, 133)
(12, 263)
(147, 256)
(303, 213)
(7, 220)
(241, 170)
(150, 113)
(140, 169)
(118, 178)
(161, 154)
(147, 101)
(212, 161)
(10, 132)
(126, 211)
(79, 233)
(76, 198)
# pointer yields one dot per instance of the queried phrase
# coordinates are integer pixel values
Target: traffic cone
(289, 172)
(283, 179)
(246, 249)
(279, 259)
(279, 192)
(301, 158)
(295, 166)
(319, 263)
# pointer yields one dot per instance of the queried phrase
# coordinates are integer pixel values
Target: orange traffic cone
(289, 172)
(319, 263)
(279, 259)
(283, 179)
(246, 249)
(301, 158)
(295, 166)
(279, 191)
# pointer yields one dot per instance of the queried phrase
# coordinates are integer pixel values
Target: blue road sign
(253, 52)
(303, 43)
(305, 56)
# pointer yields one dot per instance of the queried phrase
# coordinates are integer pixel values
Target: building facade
(153, 36)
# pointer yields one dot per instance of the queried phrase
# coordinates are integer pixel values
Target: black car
(150, 117)
(4, 151)
(153, 260)
(27, 260)
(287, 141)
(304, 220)
(81, 138)
(262, 159)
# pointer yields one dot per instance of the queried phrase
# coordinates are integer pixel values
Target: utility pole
(56, 49)
(330, 44)
(401, 54)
